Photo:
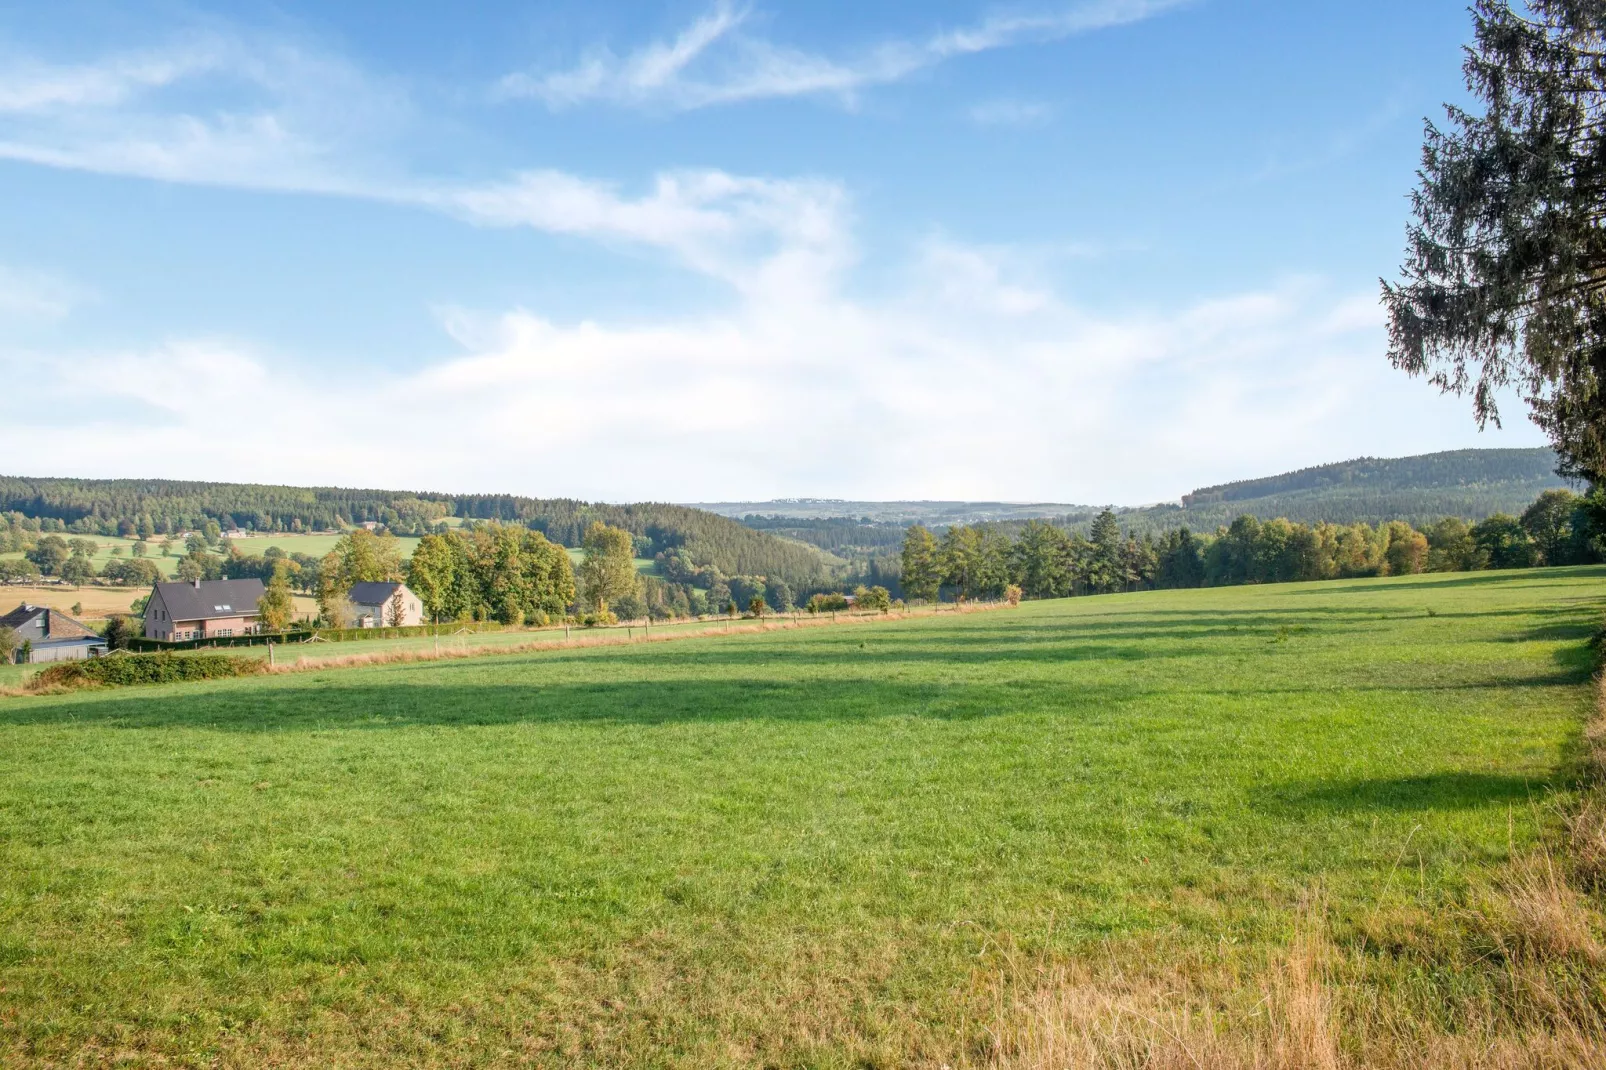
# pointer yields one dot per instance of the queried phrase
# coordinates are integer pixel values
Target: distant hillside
(140, 506)
(901, 513)
(1465, 483)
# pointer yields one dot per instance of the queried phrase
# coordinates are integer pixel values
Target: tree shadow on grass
(426, 694)
(1507, 578)
(1435, 791)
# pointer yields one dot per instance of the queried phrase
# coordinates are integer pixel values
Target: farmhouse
(51, 636)
(371, 605)
(202, 609)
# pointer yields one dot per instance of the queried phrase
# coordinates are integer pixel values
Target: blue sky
(1095, 251)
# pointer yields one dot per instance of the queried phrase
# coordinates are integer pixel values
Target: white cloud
(1015, 392)
(31, 85)
(34, 296)
(281, 134)
(218, 110)
(978, 378)
(1010, 113)
(741, 229)
(715, 62)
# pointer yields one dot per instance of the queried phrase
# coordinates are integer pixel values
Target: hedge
(348, 635)
(124, 670)
(336, 635)
(140, 643)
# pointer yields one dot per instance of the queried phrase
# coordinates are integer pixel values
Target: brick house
(203, 609)
(51, 635)
(371, 605)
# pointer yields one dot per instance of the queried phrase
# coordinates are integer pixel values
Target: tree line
(152, 509)
(1048, 561)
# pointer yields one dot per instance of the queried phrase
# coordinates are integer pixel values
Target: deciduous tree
(922, 568)
(609, 568)
(1548, 522)
(430, 573)
(276, 606)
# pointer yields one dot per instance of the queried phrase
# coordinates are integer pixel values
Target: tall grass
(1529, 938)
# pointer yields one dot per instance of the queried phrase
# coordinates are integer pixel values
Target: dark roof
(59, 626)
(371, 593)
(211, 598)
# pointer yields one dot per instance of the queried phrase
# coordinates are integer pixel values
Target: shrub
(827, 602)
(129, 669)
(872, 598)
(119, 630)
(1012, 594)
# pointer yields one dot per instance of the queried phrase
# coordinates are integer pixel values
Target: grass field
(577, 555)
(912, 843)
(314, 545)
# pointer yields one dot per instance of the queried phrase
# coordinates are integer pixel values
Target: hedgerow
(130, 669)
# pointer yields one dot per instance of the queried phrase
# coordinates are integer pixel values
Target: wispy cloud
(1005, 112)
(28, 296)
(278, 135)
(716, 61)
(920, 392)
(213, 109)
(977, 356)
(32, 85)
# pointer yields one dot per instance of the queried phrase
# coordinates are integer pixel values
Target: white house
(373, 604)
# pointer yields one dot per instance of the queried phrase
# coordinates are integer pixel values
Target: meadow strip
(303, 663)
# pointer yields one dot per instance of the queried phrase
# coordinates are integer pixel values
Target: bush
(119, 630)
(129, 669)
(827, 602)
(872, 598)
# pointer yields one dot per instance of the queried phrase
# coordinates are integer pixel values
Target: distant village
(185, 611)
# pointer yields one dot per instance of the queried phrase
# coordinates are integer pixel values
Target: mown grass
(823, 847)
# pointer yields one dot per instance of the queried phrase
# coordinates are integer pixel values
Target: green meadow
(256, 545)
(831, 846)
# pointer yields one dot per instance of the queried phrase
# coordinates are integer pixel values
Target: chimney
(196, 584)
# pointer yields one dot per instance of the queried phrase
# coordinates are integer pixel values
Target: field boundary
(610, 637)
(587, 638)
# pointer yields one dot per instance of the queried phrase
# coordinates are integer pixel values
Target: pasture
(110, 547)
(921, 842)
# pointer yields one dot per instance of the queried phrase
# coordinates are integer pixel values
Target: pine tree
(1504, 281)
(1106, 565)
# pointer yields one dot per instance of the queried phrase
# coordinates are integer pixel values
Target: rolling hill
(1467, 483)
(129, 506)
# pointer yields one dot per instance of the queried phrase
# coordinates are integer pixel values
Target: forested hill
(159, 506)
(1465, 483)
